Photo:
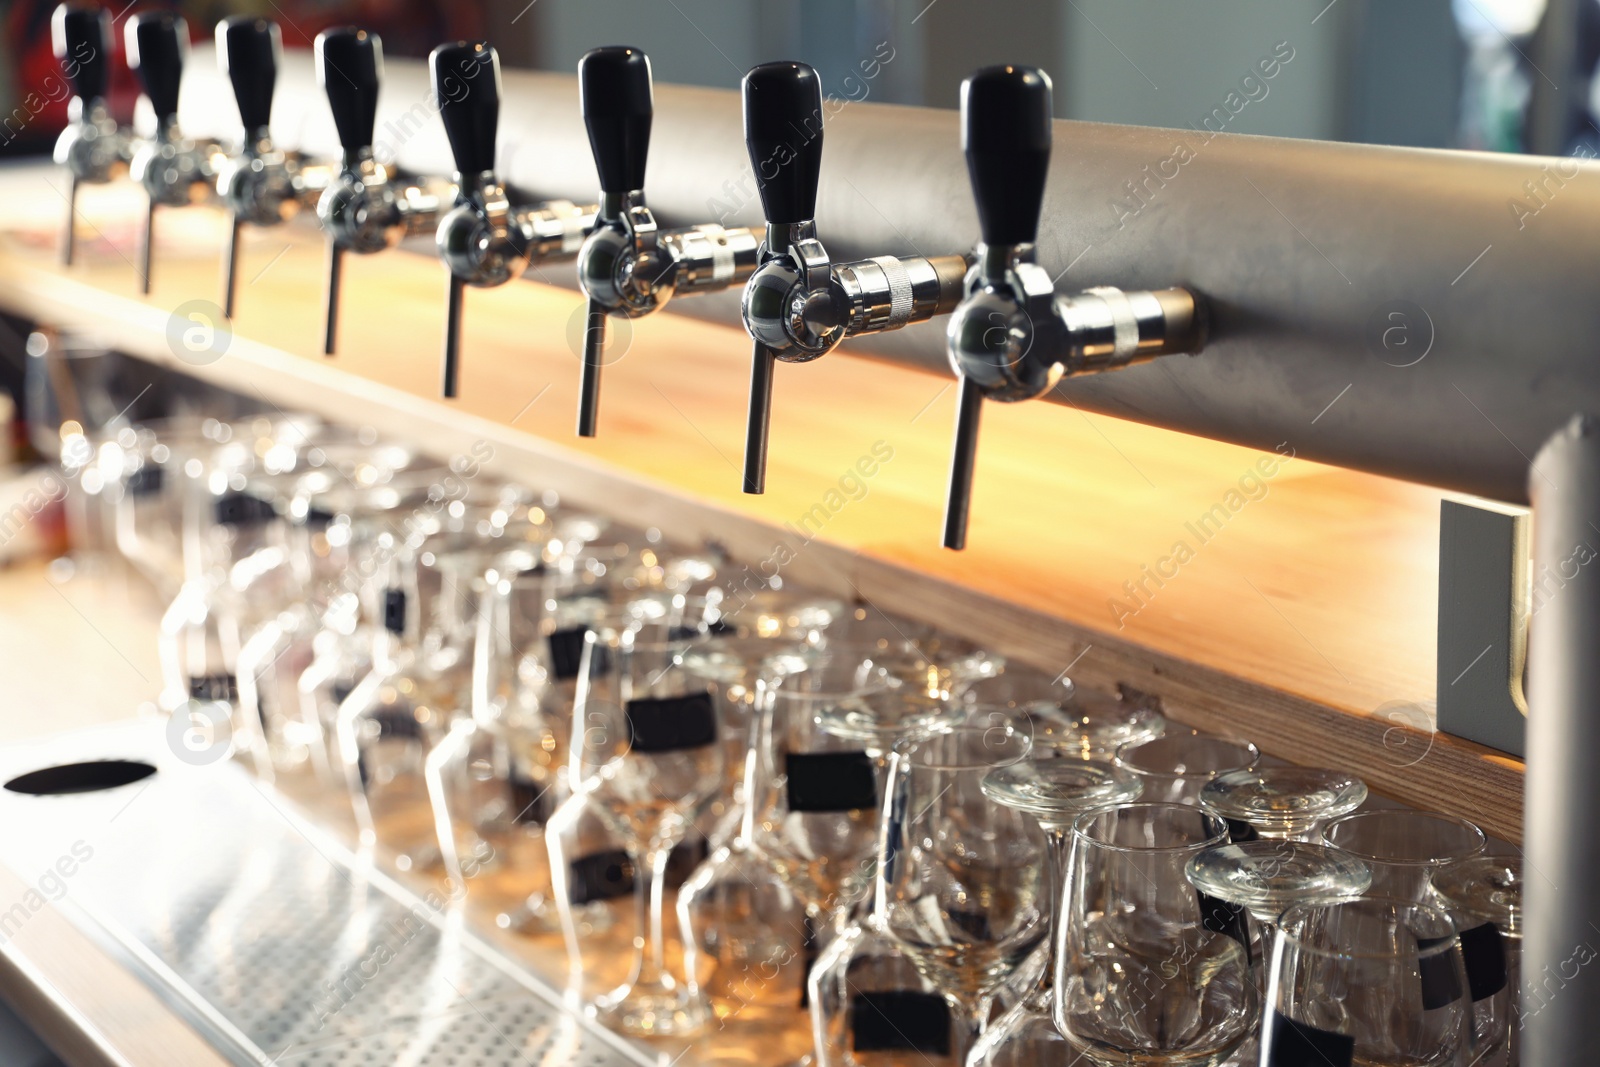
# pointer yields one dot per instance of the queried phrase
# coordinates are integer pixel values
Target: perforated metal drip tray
(265, 933)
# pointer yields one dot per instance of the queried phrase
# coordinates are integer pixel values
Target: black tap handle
(614, 86)
(81, 37)
(1005, 132)
(249, 49)
(158, 46)
(466, 82)
(349, 68)
(783, 134)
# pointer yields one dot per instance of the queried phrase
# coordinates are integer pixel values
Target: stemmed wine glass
(961, 880)
(1177, 765)
(1142, 973)
(1063, 719)
(1054, 791)
(663, 763)
(1288, 803)
(1376, 980)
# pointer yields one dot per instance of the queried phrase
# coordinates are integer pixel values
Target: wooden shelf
(1301, 615)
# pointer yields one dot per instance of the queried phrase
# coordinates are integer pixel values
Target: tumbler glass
(1374, 981)
(1143, 975)
(1484, 897)
(1404, 847)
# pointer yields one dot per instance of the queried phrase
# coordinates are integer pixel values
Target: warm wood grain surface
(1306, 621)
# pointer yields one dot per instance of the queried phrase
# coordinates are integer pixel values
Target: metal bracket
(1484, 597)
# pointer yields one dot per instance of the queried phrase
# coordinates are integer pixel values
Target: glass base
(661, 1009)
(1023, 1037)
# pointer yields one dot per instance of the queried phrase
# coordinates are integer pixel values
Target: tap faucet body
(1012, 337)
(628, 266)
(260, 184)
(799, 304)
(485, 240)
(366, 206)
(92, 149)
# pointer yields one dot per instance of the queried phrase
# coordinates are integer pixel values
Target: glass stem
(970, 1020)
(651, 901)
(1056, 854)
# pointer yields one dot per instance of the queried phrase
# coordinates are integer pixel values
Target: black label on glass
(530, 800)
(1292, 1044)
(394, 610)
(1226, 919)
(214, 687)
(317, 519)
(1484, 953)
(1441, 986)
(670, 724)
(566, 652)
(900, 1019)
(830, 781)
(603, 876)
(1240, 831)
(684, 858)
(242, 509)
(397, 723)
(146, 481)
(340, 691)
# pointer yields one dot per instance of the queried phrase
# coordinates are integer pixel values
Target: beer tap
(1012, 338)
(485, 240)
(366, 208)
(262, 184)
(628, 266)
(92, 148)
(173, 170)
(799, 305)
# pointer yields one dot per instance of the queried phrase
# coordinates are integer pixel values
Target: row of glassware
(939, 858)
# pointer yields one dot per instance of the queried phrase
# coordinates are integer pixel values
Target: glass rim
(1082, 821)
(1176, 776)
(906, 748)
(1394, 904)
(1413, 813)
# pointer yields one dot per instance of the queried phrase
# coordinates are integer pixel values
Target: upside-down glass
(657, 725)
(1177, 765)
(1376, 981)
(1484, 897)
(1404, 847)
(497, 776)
(1281, 802)
(1142, 976)
(1063, 719)
(1054, 791)
(961, 880)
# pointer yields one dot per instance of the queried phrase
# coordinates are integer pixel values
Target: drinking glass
(497, 776)
(1142, 974)
(961, 880)
(1054, 791)
(1281, 802)
(658, 724)
(934, 664)
(869, 1002)
(1484, 897)
(1177, 765)
(1062, 718)
(1404, 847)
(1372, 981)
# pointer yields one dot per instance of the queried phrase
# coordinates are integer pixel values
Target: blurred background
(1500, 75)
